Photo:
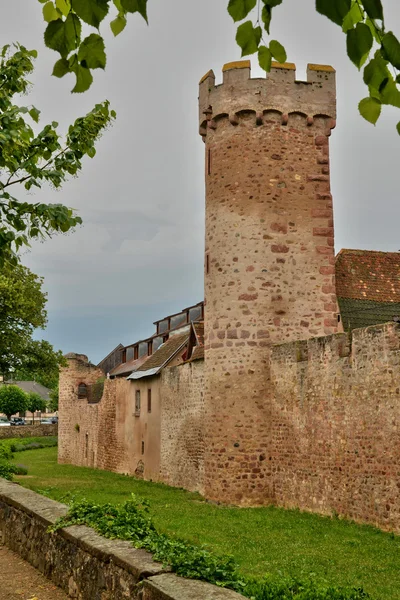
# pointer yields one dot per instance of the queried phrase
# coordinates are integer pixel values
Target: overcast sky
(139, 254)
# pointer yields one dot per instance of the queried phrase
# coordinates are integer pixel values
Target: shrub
(7, 470)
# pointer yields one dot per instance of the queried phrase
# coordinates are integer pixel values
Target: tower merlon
(278, 91)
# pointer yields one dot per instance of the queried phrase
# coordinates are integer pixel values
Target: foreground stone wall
(84, 564)
(335, 425)
(26, 431)
(182, 426)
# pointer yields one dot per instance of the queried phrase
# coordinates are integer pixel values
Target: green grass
(262, 540)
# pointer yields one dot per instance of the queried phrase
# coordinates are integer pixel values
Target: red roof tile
(368, 275)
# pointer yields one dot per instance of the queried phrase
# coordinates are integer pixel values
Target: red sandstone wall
(182, 426)
(335, 425)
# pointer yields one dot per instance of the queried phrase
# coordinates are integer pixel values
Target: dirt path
(20, 581)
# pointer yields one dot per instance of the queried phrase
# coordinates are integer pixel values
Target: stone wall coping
(172, 587)
(159, 582)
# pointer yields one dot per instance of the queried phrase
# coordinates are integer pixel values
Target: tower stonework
(269, 255)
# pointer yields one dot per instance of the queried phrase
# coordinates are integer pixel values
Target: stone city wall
(182, 426)
(26, 431)
(335, 425)
(162, 441)
(84, 564)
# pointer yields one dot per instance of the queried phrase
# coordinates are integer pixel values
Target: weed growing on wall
(131, 521)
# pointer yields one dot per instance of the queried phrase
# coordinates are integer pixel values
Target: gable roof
(368, 275)
(128, 367)
(161, 357)
(32, 386)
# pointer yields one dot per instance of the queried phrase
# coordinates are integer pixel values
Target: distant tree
(30, 158)
(368, 40)
(22, 310)
(53, 402)
(35, 403)
(12, 400)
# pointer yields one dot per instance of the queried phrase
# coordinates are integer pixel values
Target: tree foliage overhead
(369, 44)
(30, 158)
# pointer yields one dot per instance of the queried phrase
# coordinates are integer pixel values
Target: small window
(149, 400)
(207, 264)
(137, 403)
(142, 447)
(150, 348)
(123, 355)
(82, 390)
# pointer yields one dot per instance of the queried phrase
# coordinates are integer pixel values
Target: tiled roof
(368, 275)
(32, 386)
(165, 352)
(198, 327)
(128, 367)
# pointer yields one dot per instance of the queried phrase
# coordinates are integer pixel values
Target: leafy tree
(40, 363)
(12, 400)
(368, 41)
(22, 309)
(35, 402)
(31, 158)
(53, 402)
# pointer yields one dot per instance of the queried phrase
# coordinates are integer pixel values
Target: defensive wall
(26, 431)
(335, 425)
(84, 564)
(161, 441)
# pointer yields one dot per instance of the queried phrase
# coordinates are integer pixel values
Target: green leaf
(376, 73)
(370, 109)
(61, 67)
(391, 46)
(118, 25)
(113, 114)
(373, 30)
(398, 127)
(91, 152)
(84, 79)
(91, 52)
(248, 38)
(272, 3)
(264, 58)
(390, 94)
(34, 112)
(278, 51)
(266, 16)
(91, 11)
(359, 44)
(50, 13)
(63, 36)
(335, 10)
(64, 6)
(353, 17)
(133, 6)
(374, 9)
(239, 9)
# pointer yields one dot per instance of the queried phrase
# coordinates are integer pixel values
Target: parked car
(46, 421)
(17, 421)
(54, 420)
(4, 422)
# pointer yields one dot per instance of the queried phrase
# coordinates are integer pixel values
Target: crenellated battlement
(279, 92)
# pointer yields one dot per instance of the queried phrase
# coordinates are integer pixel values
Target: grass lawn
(262, 540)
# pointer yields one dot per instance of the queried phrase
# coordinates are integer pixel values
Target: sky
(139, 254)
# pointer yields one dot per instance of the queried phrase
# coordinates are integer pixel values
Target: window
(123, 355)
(150, 348)
(82, 390)
(207, 264)
(149, 400)
(142, 349)
(142, 447)
(137, 403)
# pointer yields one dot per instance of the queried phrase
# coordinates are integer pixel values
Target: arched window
(82, 390)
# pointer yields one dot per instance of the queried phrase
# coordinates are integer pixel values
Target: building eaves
(161, 357)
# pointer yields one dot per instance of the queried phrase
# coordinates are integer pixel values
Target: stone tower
(269, 254)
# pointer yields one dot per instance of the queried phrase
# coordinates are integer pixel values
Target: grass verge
(283, 543)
